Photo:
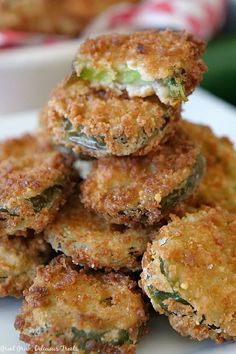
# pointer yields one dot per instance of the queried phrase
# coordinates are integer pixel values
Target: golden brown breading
(60, 16)
(144, 189)
(19, 258)
(219, 183)
(34, 183)
(189, 274)
(165, 63)
(93, 311)
(19, 147)
(93, 242)
(97, 123)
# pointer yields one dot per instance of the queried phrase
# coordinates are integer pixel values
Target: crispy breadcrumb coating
(93, 242)
(166, 63)
(19, 258)
(144, 189)
(189, 274)
(218, 187)
(98, 123)
(34, 183)
(93, 311)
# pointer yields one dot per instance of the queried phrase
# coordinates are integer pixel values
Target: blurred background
(39, 39)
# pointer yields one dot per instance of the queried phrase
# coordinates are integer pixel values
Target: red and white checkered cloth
(202, 17)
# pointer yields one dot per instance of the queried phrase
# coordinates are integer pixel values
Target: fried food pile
(152, 222)
(51, 16)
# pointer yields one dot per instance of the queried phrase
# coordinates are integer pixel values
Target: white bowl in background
(27, 75)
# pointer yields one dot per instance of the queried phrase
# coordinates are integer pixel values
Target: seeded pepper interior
(151, 223)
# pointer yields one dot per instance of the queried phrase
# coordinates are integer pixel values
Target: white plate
(203, 108)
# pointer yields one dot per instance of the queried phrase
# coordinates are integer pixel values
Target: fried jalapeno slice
(218, 186)
(95, 243)
(98, 123)
(34, 183)
(144, 189)
(19, 258)
(162, 63)
(189, 274)
(92, 311)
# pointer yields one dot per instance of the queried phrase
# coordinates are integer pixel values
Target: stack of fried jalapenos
(160, 199)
